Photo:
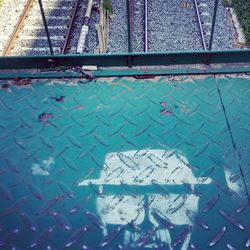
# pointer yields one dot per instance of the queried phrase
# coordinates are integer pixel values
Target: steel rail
(145, 25)
(70, 28)
(200, 25)
(17, 29)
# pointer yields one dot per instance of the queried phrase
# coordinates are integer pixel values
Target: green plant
(108, 6)
(242, 9)
(227, 3)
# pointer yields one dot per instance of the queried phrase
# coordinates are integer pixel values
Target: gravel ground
(78, 26)
(33, 40)
(138, 27)
(172, 26)
(7, 20)
(118, 28)
(224, 32)
(92, 40)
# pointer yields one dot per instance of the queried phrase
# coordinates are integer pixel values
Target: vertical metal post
(213, 25)
(145, 26)
(46, 27)
(129, 26)
(129, 32)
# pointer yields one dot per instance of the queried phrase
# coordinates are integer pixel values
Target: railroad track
(156, 26)
(64, 20)
(200, 25)
(7, 21)
(168, 25)
(147, 19)
(204, 21)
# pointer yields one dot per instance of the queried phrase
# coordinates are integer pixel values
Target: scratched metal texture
(235, 94)
(49, 210)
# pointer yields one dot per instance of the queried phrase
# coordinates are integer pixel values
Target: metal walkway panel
(120, 163)
(235, 97)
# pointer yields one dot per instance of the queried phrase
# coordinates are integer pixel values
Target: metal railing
(129, 9)
(206, 56)
(121, 60)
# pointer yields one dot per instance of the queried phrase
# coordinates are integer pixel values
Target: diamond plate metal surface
(235, 95)
(125, 164)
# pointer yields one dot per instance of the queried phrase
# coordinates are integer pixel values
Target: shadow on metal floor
(124, 163)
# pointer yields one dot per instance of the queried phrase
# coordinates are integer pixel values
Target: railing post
(208, 56)
(213, 25)
(129, 32)
(46, 27)
(145, 26)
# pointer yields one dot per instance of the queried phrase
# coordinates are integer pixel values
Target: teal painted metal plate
(237, 109)
(124, 164)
